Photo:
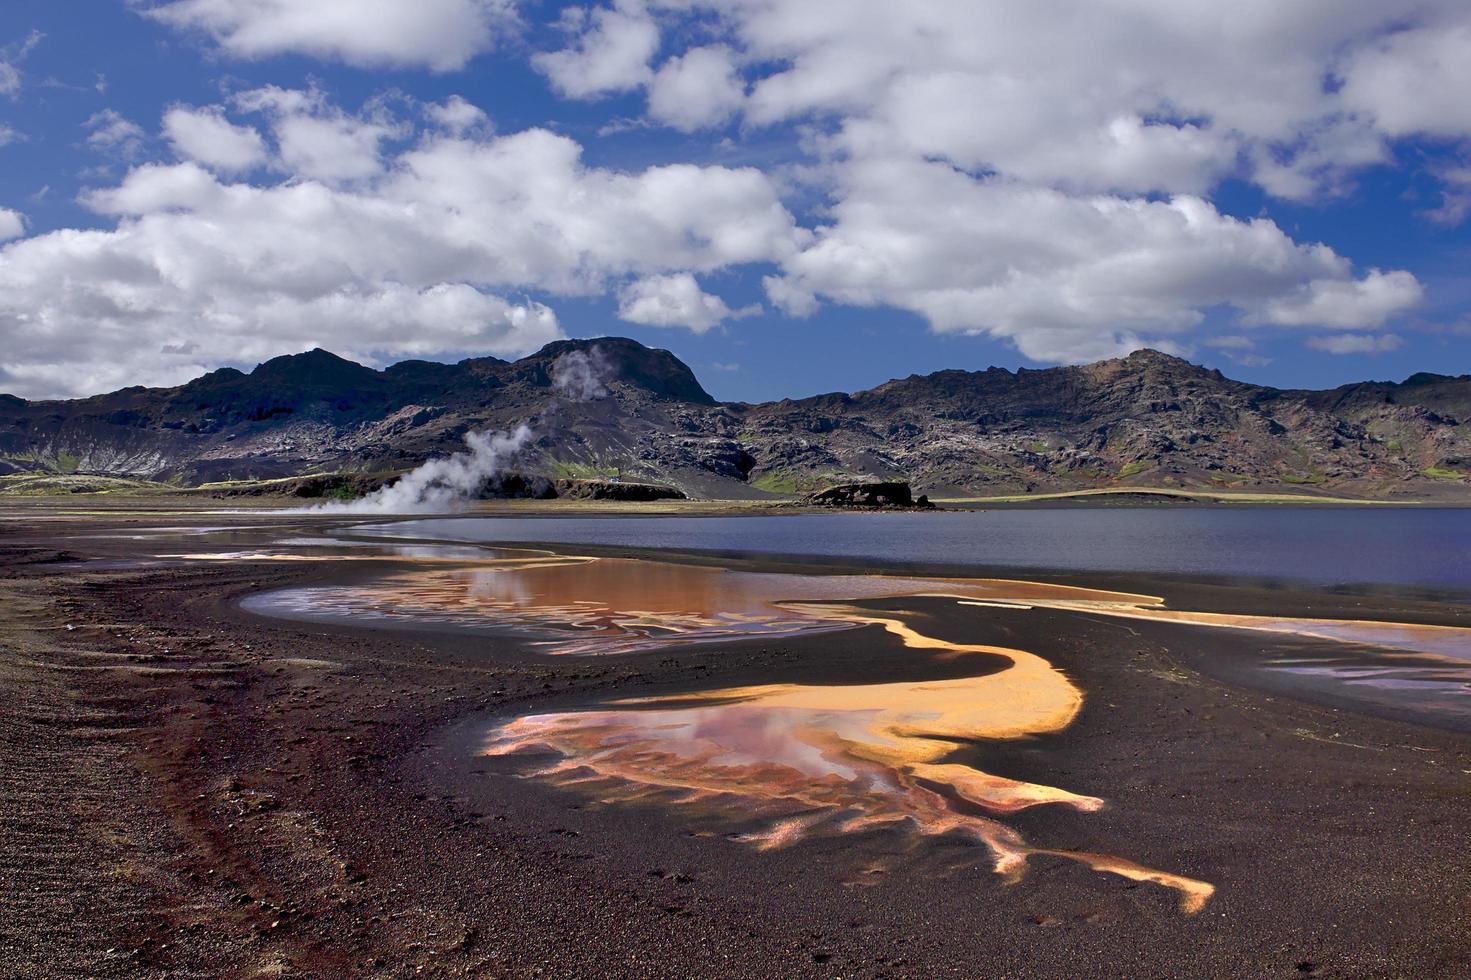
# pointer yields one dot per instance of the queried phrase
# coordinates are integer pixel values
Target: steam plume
(442, 484)
(579, 374)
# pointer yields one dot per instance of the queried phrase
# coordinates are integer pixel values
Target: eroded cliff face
(1147, 419)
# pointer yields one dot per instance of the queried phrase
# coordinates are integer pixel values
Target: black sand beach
(193, 789)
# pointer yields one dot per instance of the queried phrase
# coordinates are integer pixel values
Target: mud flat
(437, 768)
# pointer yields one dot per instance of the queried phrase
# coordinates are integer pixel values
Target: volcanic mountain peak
(1146, 419)
(314, 368)
(653, 369)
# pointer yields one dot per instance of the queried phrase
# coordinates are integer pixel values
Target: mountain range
(1148, 419)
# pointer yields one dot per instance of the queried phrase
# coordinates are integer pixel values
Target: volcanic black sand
(187, 789)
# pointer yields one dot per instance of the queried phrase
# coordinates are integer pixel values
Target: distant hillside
(1145, 420)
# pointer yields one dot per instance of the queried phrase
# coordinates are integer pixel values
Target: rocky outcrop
(611, 490)
(890, 494)
(332, 486)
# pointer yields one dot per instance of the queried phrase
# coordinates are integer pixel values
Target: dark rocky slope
(1147, 420)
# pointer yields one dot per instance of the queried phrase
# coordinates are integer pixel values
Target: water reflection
(578, 605)
(798, 760)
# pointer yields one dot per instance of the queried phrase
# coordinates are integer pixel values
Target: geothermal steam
(441, 485)
(579, 374)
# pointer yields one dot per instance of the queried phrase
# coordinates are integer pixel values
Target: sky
(794, 196)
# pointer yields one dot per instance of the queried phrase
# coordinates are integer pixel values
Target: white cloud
(155, 188)
(438, 34)
(1040, 173)
(9, 134)
(611, 55)
(316, 139)
(1354, 343)
(1455, 196)
(1128, 96)
(1122, 95)
(1001, 168)
(114, 134)
(1346, 303)
(12, 224)
(11, 57)
(330, 149)
(1064, 277)
(674, 301)
(1415, 81)
(207, 136)
(791, 299)
(424, 258)
(457, 115)
(1320, 160)
(696, 90)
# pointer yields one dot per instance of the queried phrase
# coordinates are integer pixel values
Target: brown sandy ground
(186, 790)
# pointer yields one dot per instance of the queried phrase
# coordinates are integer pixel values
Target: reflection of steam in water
(837, 759)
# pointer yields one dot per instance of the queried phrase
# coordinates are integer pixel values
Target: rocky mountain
(1148, 419)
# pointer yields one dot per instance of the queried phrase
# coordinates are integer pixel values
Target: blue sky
(795, 196)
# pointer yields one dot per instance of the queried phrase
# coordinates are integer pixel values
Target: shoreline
(192, 500)
(303, 802)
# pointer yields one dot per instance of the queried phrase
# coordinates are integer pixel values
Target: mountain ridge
(1149, 417)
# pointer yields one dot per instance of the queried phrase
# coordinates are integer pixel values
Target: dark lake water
(1326, 546)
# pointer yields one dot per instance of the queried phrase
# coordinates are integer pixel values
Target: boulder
(887, 494)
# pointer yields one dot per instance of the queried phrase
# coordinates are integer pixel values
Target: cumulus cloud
(317, 139)
(207, 136)
(1036, 173)
(1066, 277)
(1346, 303)
(12, 224)
(1356, 343)
(696, 90)
(674, 301)
(1414, 81)
(1043, 174)
(430, 255)
(1125, 96)
(610, 54)
(1131, 96)
(114, 134)
(442, 35)
(457, 115)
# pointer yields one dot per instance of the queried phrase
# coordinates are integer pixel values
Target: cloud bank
(372, 242)
(1044, 174)
(442, 35)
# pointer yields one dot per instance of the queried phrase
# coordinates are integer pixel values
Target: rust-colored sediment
(837, 759)
(797, 759)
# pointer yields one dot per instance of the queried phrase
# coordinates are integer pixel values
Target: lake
(1318, 545)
